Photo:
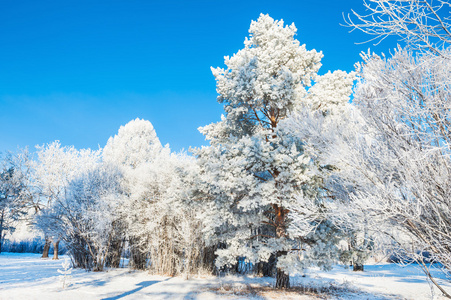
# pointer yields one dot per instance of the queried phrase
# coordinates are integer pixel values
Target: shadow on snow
(140, 285)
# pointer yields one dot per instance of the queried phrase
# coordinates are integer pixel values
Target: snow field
(27, 276)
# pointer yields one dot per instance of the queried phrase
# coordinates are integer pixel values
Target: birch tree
(420, 24)
(404, 100)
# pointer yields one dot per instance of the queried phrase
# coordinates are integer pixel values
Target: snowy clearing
(26, 276)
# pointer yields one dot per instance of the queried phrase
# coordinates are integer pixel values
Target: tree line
(296, 173)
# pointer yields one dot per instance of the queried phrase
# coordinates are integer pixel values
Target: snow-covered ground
(26, 276)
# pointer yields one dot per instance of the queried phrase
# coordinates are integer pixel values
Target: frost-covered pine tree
(255, 170)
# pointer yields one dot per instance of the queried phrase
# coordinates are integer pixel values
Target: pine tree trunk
(55, 249)
(45, 252)
(282, 278)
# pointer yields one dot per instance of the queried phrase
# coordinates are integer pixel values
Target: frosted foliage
(54, 170)
(423, 25)
(335, 140)
(320, 248)
(391, 153)
(88, 215)
(15, 193)
(160, 215)
(135, 143)
(149, 186)
(405, 101)
(139, 196)
(272, 76)
(242, 169)
(256, 169)
(272, 72)
(331, 92)
(56, 166)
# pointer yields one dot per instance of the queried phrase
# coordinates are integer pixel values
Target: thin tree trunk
(1, 230)
(267, 268)
(356, 267)
(45, 252)
(426, 270)
(208, 258)
(282, 278)
(137, 258)
(55, 249)
(113, 259)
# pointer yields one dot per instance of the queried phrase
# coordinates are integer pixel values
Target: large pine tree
(254, 170)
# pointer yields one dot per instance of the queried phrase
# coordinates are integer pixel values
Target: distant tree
(161, 227)
(54, 169)
(135, 143)
(134, 147)
(255, 171)
(15, 197)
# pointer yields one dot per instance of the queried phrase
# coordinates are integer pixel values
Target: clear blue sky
(75, 71)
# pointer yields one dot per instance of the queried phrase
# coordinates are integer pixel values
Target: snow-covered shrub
(88, 217)
(65, 273)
